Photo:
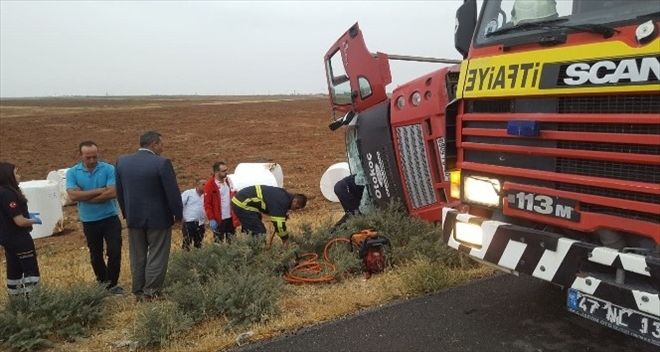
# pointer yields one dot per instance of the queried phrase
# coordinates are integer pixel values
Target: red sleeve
(208, 199)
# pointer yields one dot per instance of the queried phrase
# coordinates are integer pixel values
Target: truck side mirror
(466, 21)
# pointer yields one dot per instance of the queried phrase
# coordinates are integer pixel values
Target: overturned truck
(539, 153)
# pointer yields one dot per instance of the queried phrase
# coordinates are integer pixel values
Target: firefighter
(250, 202)
(349, 194)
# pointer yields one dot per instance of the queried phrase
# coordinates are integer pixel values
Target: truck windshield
(504, 20)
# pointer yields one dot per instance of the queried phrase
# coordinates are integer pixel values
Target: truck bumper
(557, 259)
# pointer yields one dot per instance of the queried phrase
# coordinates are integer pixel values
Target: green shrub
(207, 263)
(341, 254)
(409, 237)
(192, 298)
(246, 296)
(345, 258)
(20, 333)
(241, 281)
(158, 321)
(422, 275)
(49, 313)
(313, 240)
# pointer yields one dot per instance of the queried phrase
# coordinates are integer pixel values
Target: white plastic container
(59, 177)
(250, 174)
(43, 197)
(330, 177)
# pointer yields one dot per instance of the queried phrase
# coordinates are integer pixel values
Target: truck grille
(610, 128)
(609, 104)
(609, 169)
(493, 115)
(603, 104)
(410, 142)
(611, 147)
(595, 208)
(606, 192)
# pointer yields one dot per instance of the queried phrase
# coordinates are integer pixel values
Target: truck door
(356, 78)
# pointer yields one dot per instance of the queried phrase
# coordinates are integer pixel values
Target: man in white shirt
(193, 215)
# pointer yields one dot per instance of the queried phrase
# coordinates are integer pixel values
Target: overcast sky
(54, 48)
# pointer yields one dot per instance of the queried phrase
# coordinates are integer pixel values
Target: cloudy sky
(54, 48)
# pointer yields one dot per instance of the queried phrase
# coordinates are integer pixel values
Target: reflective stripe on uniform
(15, 282)
(279, 223)
(30, 280)
(242, 205)
(260, 196)
(22, 285)
(258, 199)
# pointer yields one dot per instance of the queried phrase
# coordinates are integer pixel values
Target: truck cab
(557, 117)
(396, 144)
(539, 152)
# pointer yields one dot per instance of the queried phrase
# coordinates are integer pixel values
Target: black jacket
(11, 206)
(147, 191)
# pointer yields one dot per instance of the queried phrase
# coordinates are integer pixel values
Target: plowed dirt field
(40, 135)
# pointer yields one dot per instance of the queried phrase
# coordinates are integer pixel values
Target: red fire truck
(539, 152)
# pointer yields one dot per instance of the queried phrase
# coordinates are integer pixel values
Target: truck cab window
(340, 86)
(365, 87)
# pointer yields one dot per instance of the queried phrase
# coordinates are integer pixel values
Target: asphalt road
(504, 313)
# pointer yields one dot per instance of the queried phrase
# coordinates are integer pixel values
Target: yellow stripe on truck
(607, 67)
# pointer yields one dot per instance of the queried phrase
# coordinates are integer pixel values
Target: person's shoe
(116, 290)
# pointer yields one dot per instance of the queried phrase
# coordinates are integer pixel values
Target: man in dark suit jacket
(150, 201)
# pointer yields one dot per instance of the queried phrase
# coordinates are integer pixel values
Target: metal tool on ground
(371, 249)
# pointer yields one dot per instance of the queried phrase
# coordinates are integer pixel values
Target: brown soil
(40, 135)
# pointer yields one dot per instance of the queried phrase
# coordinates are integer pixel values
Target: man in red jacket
(217, 203)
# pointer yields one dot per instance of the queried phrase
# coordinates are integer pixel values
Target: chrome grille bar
(412, 150)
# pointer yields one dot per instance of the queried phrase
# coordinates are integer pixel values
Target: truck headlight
(468, 233)
(482, 190)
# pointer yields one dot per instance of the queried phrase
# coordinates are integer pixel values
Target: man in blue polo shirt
(91, 183)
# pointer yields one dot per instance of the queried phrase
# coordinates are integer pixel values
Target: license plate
(542, 204)
(628, 321)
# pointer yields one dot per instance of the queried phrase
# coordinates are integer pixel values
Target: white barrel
(330, 177)
(59, 177)
(250, 174)
(43, 197)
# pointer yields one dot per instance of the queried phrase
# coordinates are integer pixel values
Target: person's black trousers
(250, 221)
(193, 233)
(22, 266)
(108, 230)
(349, 194)
(225, 231)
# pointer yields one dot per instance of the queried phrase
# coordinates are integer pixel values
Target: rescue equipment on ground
(371, 249)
